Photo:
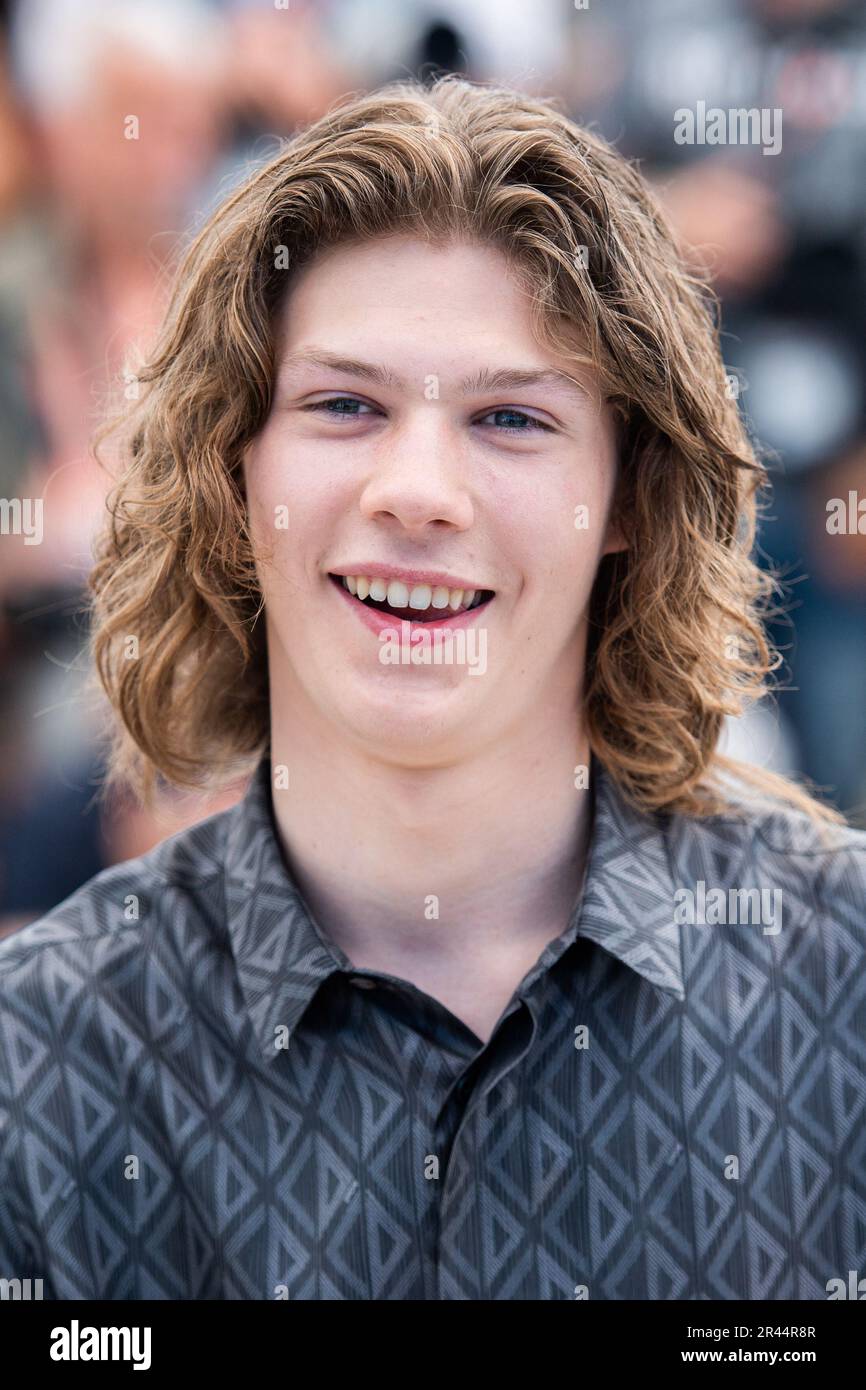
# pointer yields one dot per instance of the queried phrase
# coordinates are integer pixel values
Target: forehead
(458, 308)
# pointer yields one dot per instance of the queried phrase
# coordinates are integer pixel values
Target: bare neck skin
(414, 789)
(500, 839)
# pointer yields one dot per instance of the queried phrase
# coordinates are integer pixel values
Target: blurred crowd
(91, 213)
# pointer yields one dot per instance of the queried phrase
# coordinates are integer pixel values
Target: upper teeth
(399, 595)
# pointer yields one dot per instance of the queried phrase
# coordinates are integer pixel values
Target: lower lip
(380, 622)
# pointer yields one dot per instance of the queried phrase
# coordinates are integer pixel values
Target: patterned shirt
(202, 1098)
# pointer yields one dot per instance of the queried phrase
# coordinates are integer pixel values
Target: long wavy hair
(677, 638)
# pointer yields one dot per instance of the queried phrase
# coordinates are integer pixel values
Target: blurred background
(123, 125)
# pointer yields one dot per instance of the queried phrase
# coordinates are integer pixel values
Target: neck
(436, 865)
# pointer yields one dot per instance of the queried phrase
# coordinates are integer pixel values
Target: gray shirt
(201, 1098)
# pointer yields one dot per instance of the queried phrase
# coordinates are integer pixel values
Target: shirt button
(361, 983)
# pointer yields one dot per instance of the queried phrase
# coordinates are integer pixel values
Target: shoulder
(817, 868)
(117, 910)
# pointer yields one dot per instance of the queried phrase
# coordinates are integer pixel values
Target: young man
(499, 983)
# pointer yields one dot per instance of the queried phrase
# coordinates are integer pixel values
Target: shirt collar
(626, 906)
(280, 955)
(628, 899)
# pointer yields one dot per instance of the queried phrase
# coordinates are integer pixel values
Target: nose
(419, 480)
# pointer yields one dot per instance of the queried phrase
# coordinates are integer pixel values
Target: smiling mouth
(419, 603)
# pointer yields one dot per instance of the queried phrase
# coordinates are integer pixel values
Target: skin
(408, 781)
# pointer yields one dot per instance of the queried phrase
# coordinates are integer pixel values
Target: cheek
(258, 486)
(292, 505)
(269, 486)
(554, 532)
(269, 511)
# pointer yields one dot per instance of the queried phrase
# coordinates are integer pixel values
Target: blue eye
(349, 407)
(531, 422)
(337, 401)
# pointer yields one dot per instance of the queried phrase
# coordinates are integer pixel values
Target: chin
(412, 720)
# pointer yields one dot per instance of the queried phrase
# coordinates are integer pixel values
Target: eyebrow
(484, 380)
